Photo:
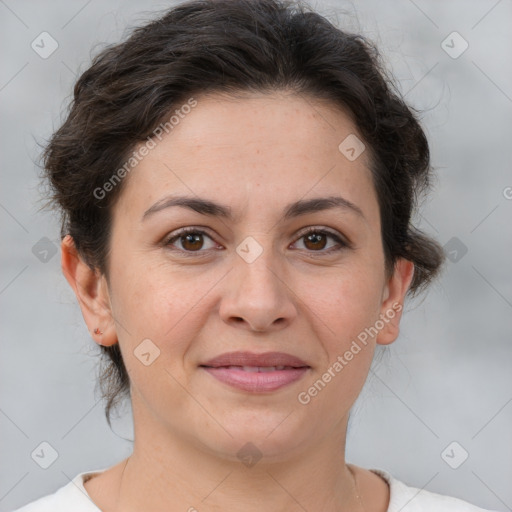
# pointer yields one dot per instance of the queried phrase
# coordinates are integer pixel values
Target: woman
(236, 183)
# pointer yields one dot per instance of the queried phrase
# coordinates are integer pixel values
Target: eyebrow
(210, 208)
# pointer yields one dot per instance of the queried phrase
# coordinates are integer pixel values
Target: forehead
(252, 146)
(262, 121)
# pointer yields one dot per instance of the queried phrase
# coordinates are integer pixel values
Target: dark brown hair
(232, 46)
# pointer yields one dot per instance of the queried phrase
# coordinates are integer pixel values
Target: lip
(241, 358)
(228, 368)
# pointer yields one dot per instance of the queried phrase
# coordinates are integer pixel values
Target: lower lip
(257, 381)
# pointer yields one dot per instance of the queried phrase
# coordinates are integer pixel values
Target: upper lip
(251, 359)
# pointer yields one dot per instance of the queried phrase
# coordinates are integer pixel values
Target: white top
(403, 498)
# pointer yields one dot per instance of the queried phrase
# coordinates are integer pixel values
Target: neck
(172, 473)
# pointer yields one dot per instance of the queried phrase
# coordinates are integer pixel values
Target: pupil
(315, 238)
(191, 238)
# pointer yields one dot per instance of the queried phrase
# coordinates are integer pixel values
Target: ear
(393, 301)
(91, 290)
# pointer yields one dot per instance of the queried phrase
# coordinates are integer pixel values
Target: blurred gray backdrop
(437, 411)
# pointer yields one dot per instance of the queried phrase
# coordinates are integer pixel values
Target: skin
(256, 154)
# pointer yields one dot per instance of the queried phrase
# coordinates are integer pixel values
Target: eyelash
(342, 244)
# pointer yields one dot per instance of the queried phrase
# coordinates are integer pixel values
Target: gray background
(446, 379)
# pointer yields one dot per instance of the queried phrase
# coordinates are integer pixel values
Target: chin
(271, 440)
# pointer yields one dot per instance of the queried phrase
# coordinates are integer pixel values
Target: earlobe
(91, 293)
(393, 301)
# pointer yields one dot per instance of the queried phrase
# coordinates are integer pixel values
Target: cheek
(344, 310)
(349, 302)
(157, 315)
(158, 303)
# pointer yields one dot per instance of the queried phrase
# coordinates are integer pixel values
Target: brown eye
(189, 240)
(317, 240)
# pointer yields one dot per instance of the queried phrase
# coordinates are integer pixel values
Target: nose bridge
(258, 293)
(256, 266)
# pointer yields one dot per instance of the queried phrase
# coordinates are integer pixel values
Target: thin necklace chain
(358, 494)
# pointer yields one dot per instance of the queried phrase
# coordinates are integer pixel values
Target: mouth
(256, 372)
(254, 369)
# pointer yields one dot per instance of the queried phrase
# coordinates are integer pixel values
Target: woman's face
(251, 279)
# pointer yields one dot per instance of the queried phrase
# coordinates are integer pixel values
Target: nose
(259, 296)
